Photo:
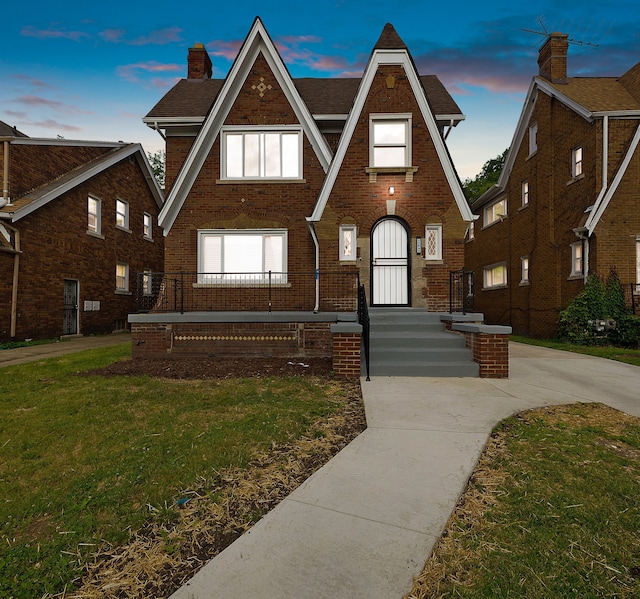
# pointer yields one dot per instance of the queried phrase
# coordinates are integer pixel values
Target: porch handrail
(363, 319)
(461, 291)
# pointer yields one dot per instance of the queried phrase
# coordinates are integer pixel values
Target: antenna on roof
(546, 34)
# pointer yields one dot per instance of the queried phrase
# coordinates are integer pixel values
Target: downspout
(14, 288)
(312, 230)
(5, 175)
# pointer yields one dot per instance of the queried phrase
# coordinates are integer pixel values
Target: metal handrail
(363, 319)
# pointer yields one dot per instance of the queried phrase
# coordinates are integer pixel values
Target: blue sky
(93, 70)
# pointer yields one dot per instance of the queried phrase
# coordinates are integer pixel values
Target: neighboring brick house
(78, 221)
(567, 203)
(350, 178)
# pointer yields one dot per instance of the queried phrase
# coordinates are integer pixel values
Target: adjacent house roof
(30, 202)
(9, 131)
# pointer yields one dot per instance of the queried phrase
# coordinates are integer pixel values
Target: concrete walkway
(364, 524)
(32, 353)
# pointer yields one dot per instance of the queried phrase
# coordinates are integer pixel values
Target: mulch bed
(215, 512)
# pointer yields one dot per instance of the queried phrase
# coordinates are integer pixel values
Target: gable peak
(389, 39)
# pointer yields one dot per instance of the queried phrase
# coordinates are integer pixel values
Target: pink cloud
(16, 114)
(39, 102)
(112, 35)
(51, 124)
(53, 33)
(159, 37)
(131, 72)
(295, 40)
(225, 49)
(33, 81)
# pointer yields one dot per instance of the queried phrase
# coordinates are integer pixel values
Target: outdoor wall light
(392, 190)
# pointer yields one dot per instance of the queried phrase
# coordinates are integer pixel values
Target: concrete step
(414, 342)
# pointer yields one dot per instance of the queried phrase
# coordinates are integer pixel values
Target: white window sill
(524, 283)
(123, 292)
(494, 287)
(433, 261)
(575, 276)
(147, 238)
(374, 171)
(263, 180)
(125, 229)
(574, 179)
(94, 234)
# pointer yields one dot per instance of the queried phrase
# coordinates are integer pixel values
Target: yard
(117, 483)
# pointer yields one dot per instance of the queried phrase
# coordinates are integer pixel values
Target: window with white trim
(495, 276)
(533, 138)
(495, 212)
(525, 193)
(433, 242)
(576, 162)
(147, 226)
(577, 263)
(266, 153)
(122, 277)
(348, 247)
(524, 278)
(242, 255)
(122, 214)
(390, 140)
(94, 216)
(472, 230)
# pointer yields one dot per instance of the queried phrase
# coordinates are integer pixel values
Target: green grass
(554, 511)
(86, 459)
(621, 354)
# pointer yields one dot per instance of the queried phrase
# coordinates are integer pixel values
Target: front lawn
(86, 460)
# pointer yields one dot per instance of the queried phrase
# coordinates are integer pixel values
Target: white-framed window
(638, 263)
(524, 277)
(122, 214)
(262, 153)
(390, 140)
(94, 215)
(348, 245)
(433, 242)
(495, 276)
(122, 277)
(577, 262)
(242, 255)
(495, 212)
(525, 193)
(147, 226)
(472, 230)
(576, 162)
(533, 138)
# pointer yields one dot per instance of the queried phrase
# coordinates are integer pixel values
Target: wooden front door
(390, 263)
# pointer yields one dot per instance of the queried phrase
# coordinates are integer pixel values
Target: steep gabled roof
(44, 194)
(9, 131)
(257, 42)
(393, 52)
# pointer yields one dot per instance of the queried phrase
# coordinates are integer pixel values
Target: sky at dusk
(93, 70)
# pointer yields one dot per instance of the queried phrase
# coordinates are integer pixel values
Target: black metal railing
(363, 319)
(461, 291)
(255, 292)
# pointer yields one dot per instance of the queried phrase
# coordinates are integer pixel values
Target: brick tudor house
(284, 194)
(567, 203)
(78, 219)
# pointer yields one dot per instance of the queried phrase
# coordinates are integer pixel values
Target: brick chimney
(199, 63)
(552, 58)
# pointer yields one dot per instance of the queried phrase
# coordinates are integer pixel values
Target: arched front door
(390, 281)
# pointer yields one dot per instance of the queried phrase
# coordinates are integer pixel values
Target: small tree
(158, 162)
(488, 176)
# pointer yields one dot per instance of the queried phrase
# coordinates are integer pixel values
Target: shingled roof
(9, 131)
(389, 39)
(194, 97)
(598, 94)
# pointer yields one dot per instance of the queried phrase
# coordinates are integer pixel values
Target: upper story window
(122, 214)
(495, 212)
(525, 193)
(433, 242)
(242, 256)
(576, 162)
(147, 226)
(472, 230)
(267, 153)
(390, 140)
(94, 219)
(533, 138)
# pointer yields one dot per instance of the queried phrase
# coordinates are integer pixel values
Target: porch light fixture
(392, 190)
